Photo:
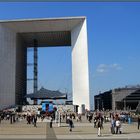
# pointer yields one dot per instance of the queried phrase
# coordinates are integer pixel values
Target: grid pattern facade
(7, 67)
(21, 60)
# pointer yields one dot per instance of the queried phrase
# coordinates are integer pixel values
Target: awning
(47, 94)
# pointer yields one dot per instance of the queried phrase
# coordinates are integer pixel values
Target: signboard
(43, 106)
(47, 107)
(50, 107)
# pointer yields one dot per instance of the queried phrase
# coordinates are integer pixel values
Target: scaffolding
(35, 68)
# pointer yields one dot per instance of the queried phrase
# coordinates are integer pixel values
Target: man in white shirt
(118, 124)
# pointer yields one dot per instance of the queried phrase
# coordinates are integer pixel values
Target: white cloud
(116, 66)
(102, 68)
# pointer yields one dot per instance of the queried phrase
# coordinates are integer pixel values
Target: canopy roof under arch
(47, 94)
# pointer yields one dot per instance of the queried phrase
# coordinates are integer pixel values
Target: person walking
(118, 124)
(51, 121)
(28, 118)
(113, 124)
(71, 124)
(77, 118)
(34, 117)
(95, 121)
(99, 126)
(138, 121)
(11, 118)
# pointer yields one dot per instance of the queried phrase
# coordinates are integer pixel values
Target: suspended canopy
(47, 94)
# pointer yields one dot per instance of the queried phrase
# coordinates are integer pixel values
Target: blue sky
(113, 43)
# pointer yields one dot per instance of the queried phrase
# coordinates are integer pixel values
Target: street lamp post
(124, 104)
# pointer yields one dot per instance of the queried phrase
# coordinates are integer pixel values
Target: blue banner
(43, 106)
(50, 107)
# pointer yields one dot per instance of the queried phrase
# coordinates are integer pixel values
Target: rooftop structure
(126, 98)
(47, 94)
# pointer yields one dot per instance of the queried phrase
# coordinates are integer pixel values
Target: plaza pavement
(82, 130)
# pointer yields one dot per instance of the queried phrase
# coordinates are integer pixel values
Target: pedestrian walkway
(50, 132)
(22, 130)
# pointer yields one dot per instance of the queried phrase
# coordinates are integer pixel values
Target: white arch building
(17, 35)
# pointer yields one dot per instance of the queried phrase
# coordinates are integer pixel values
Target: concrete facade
(118, 95)
(118, 99)
(80, 77)
(17, 35)
(7, 67)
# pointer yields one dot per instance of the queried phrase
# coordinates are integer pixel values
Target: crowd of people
(98, 118)
(115, 118)
(10, 116)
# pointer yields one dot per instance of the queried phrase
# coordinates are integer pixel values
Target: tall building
(17, 35)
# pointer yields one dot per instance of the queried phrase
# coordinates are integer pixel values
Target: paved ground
(83, 130)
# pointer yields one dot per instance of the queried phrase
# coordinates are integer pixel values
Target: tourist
(138, 121)
(67, 118)
(59, 123)
(118, 125)
(80, 117)
(28, 119)
(95, 121)
(113, 124)
(102, 120)
(71, 125)
(63, 116)
(11, 118)
(99, 126)
(51, 121)
(120, 129)
(34, 119)
(90, 118)
(77, 118)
